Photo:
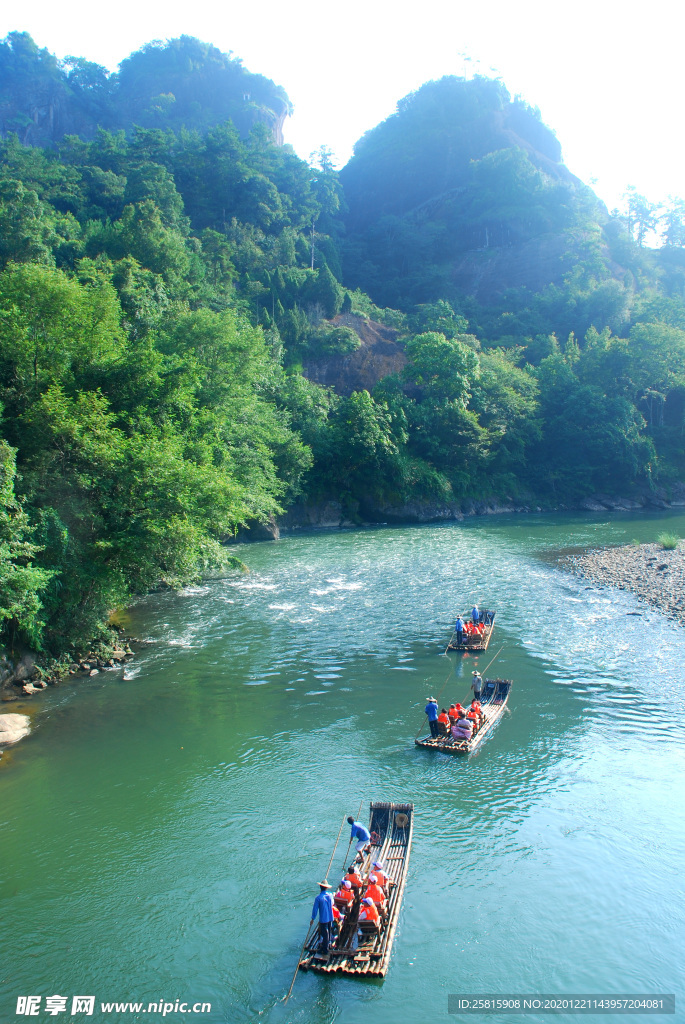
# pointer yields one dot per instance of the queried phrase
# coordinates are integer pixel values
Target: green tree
(443, 367)
(21, 582)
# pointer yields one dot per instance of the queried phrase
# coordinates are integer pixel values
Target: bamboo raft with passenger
(475, 636)
(493, 701)
(361, 948)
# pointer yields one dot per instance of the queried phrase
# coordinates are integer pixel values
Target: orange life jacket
(382, 877)
(345, 894)
(354, 879)
(444, 719)
(369, 913)
(375, 892)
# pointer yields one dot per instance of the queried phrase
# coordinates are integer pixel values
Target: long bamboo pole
(494, 659)
(342, 825)
(292, 983)
(306, 938)
(449, 675)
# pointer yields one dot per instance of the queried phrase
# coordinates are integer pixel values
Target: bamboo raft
(471, 641)
(493, 702)
(358, 950)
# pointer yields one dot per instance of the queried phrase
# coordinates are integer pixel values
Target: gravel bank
(655, 575)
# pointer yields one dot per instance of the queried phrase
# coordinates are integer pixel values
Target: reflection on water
(166, 826)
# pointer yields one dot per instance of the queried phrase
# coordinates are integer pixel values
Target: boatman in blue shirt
(323, 906)
(475, 614)
(431, 710)
(459, 630)
(360, 833)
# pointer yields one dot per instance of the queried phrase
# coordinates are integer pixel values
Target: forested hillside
(167, 271)
(179, 83)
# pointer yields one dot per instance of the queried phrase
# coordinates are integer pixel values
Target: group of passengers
(367, 899)
(473, 630)
(457, 721)
(370, 897)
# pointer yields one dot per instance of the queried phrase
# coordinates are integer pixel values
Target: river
(164, 827)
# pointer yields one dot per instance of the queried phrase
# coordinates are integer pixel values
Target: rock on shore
(655, 575)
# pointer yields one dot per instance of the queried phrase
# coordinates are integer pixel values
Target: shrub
(668, 541)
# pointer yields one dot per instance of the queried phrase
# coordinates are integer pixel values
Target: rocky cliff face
(489, 270)
(378, 356)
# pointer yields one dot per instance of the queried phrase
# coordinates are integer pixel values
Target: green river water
(164, 827)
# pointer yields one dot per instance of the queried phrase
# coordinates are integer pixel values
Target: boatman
(475, 614)
(431, 709)
(360, 832)
(477, 685)
(459, 629)
(323, 906)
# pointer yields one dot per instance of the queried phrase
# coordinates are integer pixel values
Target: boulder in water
(13, 728)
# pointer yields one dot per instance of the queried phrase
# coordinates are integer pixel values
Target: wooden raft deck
(471, 642)
(493, 703)
(370, 954)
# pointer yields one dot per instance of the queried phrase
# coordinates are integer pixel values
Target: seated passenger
(380, 874)
(452, 712)
(444, 717)
(353, 877)
(374, 891)
(463, 729)
(369, 911)
(345, 892)
(336, 923)
(475, 718)
(477, 707)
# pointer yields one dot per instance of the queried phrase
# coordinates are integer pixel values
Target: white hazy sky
(606, 75)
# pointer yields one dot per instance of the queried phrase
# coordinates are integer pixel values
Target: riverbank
(332, 514)
(654, 575)
(28, 673)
